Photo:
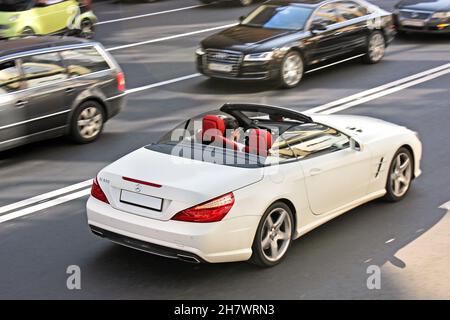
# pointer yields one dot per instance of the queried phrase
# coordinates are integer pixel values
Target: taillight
(120, 81)
(97, 192)
(211, 211)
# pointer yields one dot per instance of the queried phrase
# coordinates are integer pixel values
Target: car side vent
(380, 164)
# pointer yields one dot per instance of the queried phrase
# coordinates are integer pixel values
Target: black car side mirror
(318, 26)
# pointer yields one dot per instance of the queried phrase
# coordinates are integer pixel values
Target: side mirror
(242, 18)
(318, 26)
(356, 145)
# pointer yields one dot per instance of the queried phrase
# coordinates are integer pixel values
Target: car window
(307, 140)
(287, 17)
(83, 61)
(326, 15)
(9, 77)
(351, 10)
(43, 69)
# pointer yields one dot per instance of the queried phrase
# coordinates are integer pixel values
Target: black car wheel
(400, 175)
(87, 122)
(376, 48)
(274, 236)
(291, 70)
(245, 2)
(86, 29)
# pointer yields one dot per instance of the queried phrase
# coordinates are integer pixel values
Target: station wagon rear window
(82, 61)
(9, 77)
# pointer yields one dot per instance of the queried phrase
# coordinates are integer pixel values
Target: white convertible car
(242, 182)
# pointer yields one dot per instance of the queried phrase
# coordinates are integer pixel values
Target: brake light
(211, 211)
(97, 192)
(120, 81)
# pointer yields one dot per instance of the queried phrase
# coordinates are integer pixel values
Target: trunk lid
(145, 178)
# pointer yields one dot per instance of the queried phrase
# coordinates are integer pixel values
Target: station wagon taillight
(120, 81)
(211, 211)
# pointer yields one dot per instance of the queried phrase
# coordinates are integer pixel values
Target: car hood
(366, 129)
(184, 182)
(244, 38)
(426, 5)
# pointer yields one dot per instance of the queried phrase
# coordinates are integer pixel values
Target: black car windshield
(15, 5)
(288, 17)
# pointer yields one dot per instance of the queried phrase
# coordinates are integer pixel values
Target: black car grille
(233, 58)
(415, 15)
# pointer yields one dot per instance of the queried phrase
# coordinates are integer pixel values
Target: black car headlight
(260, 56)
(200, 51)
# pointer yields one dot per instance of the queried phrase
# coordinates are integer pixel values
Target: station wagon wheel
(376, 48)
(274, 235)
(400, 175)
(87, 122)
(86, 29)
(291, 71)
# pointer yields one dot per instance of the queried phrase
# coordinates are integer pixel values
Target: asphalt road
(328, 263)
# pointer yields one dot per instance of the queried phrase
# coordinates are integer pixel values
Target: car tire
(375, 48)
(87, 122)
(27, 32)
(244, 3)
(268, 247)
(87, 29)
(400, 175)
(291, 70)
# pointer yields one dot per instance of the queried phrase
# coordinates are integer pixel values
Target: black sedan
(425, 16)
(280, 40)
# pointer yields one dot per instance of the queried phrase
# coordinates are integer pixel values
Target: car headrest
(259, 142)
(212, 126)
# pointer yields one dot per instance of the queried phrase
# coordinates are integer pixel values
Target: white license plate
(220, 67)
(141, 200)
(413, 23)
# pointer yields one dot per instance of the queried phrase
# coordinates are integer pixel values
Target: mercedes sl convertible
(242, 182)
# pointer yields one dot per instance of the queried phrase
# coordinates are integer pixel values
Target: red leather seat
(213, 131)
(259, 142)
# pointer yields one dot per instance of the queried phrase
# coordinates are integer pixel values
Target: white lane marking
(187, 34)
(378, 89)
(386, 92)
(150, 14)
(79, 194)
(44, 205)
(335, 63)
(390, 240)
(45, 196)
(163, 83)
(445, 206)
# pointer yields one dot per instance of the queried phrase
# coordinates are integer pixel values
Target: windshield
(15, 5)
(289, 17)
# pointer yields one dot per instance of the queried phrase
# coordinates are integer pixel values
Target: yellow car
(44, 17)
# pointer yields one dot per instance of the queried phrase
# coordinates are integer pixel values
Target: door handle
(315, 172)
(21, 103)
(69, 90)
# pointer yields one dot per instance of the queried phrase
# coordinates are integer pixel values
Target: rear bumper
(115, 104)
(224, 241)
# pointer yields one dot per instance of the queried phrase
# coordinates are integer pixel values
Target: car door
(335, 174)
(329, 42)
(54, 15)
(12, 116)
(353, 17)
(46, 82)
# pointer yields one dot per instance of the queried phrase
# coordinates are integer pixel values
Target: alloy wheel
(401, 174)
(276, 234)
(377, 47)
(90, 122)
(292, 70)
